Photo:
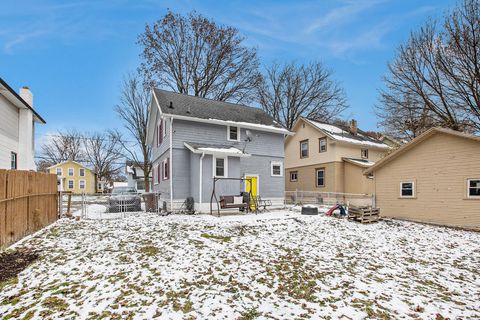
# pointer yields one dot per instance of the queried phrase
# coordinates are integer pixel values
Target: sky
(73, 54)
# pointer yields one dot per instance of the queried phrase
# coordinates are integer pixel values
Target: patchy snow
(254, 125)
(360, 142)
(279, 265)
(230, 150)
(364, 163)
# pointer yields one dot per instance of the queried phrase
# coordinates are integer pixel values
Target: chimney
(353, 127)
(26, 95)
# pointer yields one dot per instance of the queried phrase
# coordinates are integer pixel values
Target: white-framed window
(364, 153)
(407, 189)
(59, 172)
(220, 167)
(304, 149)
(82, 172)
(276, 169)
(13, 161)
(322, 144)
(70, 184)
(164, 128)
(473, 188)
(165, 168)
(320, 177)
(81, 184)
(233, 133)
(293, 176)
(71, 172)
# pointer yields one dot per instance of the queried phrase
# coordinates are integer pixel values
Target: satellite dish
(249, 135)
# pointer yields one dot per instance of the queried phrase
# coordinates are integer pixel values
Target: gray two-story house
(195, 139)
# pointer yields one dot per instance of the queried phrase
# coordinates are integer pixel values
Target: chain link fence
(328, 199)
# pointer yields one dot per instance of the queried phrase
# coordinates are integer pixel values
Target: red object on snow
(332, 209)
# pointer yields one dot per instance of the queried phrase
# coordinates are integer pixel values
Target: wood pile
(363, 214)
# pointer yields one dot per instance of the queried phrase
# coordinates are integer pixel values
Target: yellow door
(251, 186)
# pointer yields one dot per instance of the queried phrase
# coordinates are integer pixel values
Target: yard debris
(14, 262)
(247, 267)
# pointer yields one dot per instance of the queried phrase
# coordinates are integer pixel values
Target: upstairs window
(82, 172)
(13, 161)
(233, 133)
(407, 189)
(304, 149)
(220, 167)
(322, 144)
(473, 188)
(70, 172)
(320, 177)
(364, 153)
(276, 169)
(59, 171)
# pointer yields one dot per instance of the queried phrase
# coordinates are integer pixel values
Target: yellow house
(74, 177)
(330, 158)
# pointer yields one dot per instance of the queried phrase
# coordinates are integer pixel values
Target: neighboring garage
(435, 178)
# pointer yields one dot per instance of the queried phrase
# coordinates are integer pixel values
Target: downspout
(171, 163)
(200, 180)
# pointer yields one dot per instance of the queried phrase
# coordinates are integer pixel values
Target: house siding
(440, 166)
(9, 123)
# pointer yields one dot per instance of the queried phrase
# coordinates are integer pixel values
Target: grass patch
(221, 238)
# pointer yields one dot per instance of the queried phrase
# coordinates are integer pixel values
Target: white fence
(328, 198)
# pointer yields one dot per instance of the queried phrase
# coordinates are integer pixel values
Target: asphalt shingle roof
(203, 108)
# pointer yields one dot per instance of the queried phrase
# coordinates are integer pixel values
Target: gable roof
(69, 161)
(206, 110)
(364, 163)
(410, 145)
(343, 134)
(18, 101)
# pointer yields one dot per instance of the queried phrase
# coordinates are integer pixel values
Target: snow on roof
(254, 125)
(215, 149)
(337, 133)
(360, 162)
(130, 170)
(221, 150)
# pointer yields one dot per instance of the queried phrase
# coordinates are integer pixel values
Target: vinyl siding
(9, 116)
(440, 167)
(355, 181)
(306, 178)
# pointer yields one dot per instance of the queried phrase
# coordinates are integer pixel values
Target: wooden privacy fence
(28, 202)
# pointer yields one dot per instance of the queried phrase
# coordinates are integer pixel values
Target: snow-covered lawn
(272, 266)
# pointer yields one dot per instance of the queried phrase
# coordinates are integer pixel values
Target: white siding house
(17, 128)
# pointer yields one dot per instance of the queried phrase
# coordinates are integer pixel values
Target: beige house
(330, 158)
(435, 178)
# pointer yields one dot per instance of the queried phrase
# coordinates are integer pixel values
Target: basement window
(473, 188)
(407, 189)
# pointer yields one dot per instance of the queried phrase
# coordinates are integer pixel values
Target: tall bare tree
(103, 151)
(133, 111)
(62, 146)
(194, 55)
(290, 91)
(439, 67)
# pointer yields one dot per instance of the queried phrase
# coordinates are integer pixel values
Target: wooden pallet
(363, 214)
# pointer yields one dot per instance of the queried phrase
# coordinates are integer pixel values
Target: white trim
(468, 188)
(225, 166)
(258, 182)
(238, 133)
(84, 184)
(414, 189)
(276, 163)
(219, 154)
(316, 178)
(68, 172)
(200, 179)
(170, 165)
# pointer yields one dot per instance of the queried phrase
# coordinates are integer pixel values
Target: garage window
(473, 188)
(407, 189)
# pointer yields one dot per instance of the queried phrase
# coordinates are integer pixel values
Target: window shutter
(168, 168)
(161, 131)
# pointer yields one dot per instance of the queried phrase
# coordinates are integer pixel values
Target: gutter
(201, 178)
(171, 163)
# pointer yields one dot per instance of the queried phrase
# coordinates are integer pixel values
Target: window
(293, 176)
(407, 189)
(220, 167)
(13, 161)
(99, 186)
(473, 188)
(322, 144)
(304, 149)
(81, 184)
(165, 168)
(70, 184)
(70, 172)
(233, 133)
(320, 177)
(164, 126)
(82, 172)
(59, 171)
(160, 132)
(364, 153)
(276, 169)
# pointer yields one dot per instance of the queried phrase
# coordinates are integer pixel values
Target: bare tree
(104, 151)
(291, 91)
(133, 110)
(439, 67)
(194, 55)
(62, 146)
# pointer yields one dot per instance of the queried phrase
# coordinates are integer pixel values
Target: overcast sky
(73, 54)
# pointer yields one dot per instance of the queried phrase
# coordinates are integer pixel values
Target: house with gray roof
(196, 139)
